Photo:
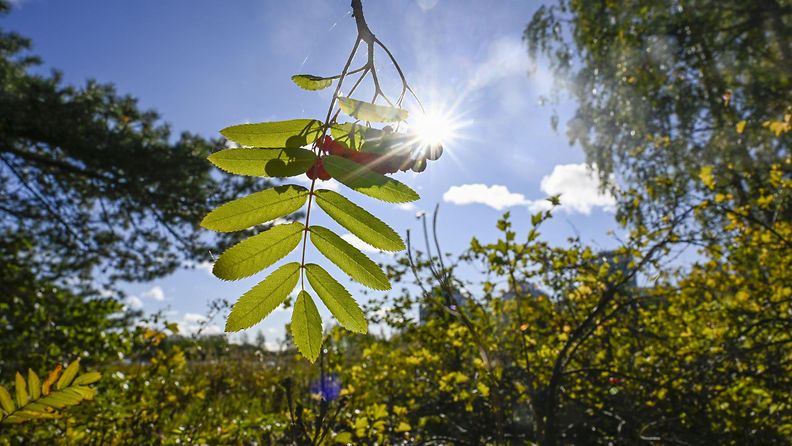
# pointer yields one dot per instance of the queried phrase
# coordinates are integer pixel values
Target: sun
(433, 127)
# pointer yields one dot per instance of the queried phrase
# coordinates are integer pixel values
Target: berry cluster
(386, 153)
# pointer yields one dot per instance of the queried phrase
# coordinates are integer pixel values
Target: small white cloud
(194, 317)
(155, 293)
(495, 196)
(133, 302)
(577, 184)
(205, 266)
(579, 187)
(353, 240)
(409, 207)
(330, 184)
(506, 57)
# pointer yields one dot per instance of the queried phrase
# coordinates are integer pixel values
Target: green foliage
(368, 182)
(336, 298)
(336, 151)
(311, 82)
(37, 400)
(256, 208)
(306, 326)
(290, 134)
(258, 252)
(358, 221)
(365, 111)
(350, 259)
(257, 303)
(285, 162)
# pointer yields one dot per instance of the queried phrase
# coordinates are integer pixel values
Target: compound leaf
(256, 208)
(348, 258)
(293, 133)
(256, 162)
(311, 82)
(260, 300)
(358, 221)
(336, 298)
(258, 252)
(368, 182)
(306, 326)
(366, 111)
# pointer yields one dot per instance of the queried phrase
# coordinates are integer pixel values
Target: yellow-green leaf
(260, 300)
(311, 82)
(368, 182)
(257, 162)
(258, 252)
(22, 396)
(293, 133)
(34, 385)
(740, 126)
(306, 326)
(336, 298)
(358, 221)
(87, 378)
(256, 208)
(68, 375)
(366, 111)
(5, 400)
(348, 258)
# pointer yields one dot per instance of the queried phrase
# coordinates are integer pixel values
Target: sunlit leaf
(34, 385)
(264, 162)
(68, 375)
(5, 400)
(368, 182)
(311, 82)
(348, 258)
(366, 111)
(293, 133)
(358, 221)
(87, 378)
(336, 298)
(260, 300)
(258, 252)
(22, 396)
(256, 208)
(306, 326)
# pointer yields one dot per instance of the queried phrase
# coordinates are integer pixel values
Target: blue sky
(207, 64)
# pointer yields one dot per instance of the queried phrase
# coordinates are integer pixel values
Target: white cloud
(194, 317)
(155, 293)
(359, 244)
(409, 207)
(579, 188)
(495, 196)
(576, 183)
(205, 266)
(133, 302)
(507, 57)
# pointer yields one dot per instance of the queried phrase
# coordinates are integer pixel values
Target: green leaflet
(293, 133)
(256, 162)
(368, 182)
(87, 378)
(366, 111)
(22, 396)
(256, 208)
(349, 258)
(68, 375)
(336, 298)
(34, 385)
(5, 400)
(260, 300)
(258, 252)
(311, 82)
(358, 221)
(306, 326)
